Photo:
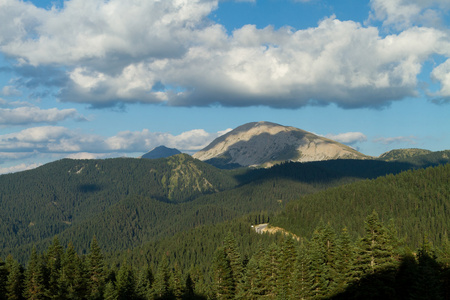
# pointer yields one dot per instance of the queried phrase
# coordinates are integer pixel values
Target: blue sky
(100, 79)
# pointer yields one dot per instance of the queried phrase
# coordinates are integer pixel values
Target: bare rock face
(261, 143)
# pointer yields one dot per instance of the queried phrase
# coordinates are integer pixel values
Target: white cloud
(348, 138)
(151, 51)
(412, 140)
(442, 74)
(18, 168)
(60, 140)
(29, 115)
(401, 14)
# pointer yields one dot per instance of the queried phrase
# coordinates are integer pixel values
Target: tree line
(329, 265)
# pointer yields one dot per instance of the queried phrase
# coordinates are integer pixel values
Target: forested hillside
(40, 203)
(242, 265)
(129, 202)
(417, 202)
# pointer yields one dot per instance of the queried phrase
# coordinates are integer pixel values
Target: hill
(161, 152)
(402, 154)
(417, 201)
(260, 143)
(40, 203)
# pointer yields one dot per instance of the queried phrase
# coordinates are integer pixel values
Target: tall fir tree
(287, 263)
(96, 271)
(126, 282)
(233, 255)
(251, 286)
(427, 284)
(302, 277)
(110, 291)
(224, 286)
(144, 284)
(270, 270)
(35, 286)
(54, 265)
(14, 283)
(376, 264)
(161, 285)
(3, 279)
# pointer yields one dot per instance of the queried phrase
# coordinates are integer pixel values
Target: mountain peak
(160, 152)
(258, 143)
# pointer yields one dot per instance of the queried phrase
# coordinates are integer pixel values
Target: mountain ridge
(266, 143)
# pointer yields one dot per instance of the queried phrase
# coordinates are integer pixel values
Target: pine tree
(73, 282)
(223, 276)
(161, 285)
(54, 265)
(14, 284)
(34, 278)
(126, 282)
(302, 278)
(376, 264)
(96, 271)
(110, 292)
(252, 285)
(230, 247)
(427, 283)
(3, 279)
(287, 263)
(345, 260)
(270, 270)
(176, 283)
(144, 283)
(444, 260)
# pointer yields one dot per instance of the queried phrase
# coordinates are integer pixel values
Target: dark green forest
(329, 265)
(178, 228)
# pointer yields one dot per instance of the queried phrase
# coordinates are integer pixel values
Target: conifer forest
(136, 229)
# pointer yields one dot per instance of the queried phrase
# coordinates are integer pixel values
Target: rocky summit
(265, 143)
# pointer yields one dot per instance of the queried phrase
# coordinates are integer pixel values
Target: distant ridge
(161, 152)
(266, 143)
(400, 154)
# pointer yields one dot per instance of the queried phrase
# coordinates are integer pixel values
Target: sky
(113, 78)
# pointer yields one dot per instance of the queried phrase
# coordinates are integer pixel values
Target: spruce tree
(110, 292)
(176, 283)
(14, 283)
(3, 279)
(54, 265)
(73, 282)
(224, 286)
(230, 247)
(126, 282)
(161, 285)
(344, 261)
(427, 284)
(270, 270)
(35, 288)
(144, 283)
(287, 263)
(376, 264)
(252, 285)
(302, 278)
(96, 271)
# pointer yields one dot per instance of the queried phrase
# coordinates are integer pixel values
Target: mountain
(48, 200)
(402, 154)
(267, 143)
(161, 152)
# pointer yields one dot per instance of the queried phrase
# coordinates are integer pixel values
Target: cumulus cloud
(57, 139)
(29, 115)
(18, 168)
(147, 51)
(412, 140)
(348, 138)
(401, 14)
